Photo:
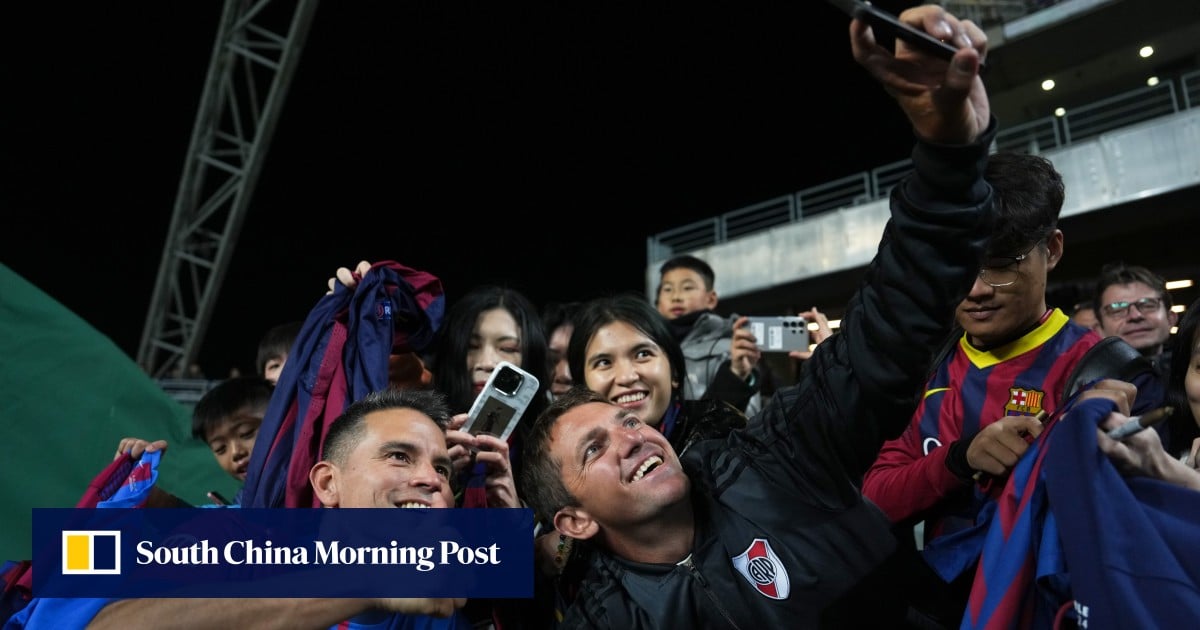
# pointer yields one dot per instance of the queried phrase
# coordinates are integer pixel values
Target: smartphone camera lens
(508, 381)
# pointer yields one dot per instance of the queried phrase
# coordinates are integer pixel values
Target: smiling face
(1147, 332)
(625, 366)
(996, 315)
(496, 337)
(622, 472)
(400, 460)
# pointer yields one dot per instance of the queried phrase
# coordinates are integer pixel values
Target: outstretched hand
(945, 101)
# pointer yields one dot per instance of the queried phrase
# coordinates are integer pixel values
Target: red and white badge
(762, 568)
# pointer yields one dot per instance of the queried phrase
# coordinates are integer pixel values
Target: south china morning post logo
(483, 553)
(91, 552)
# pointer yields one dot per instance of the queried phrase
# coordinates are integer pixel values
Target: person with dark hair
(622, 349)
(1007, 369)
(227, 418)
(387, 450)
(356, 466)
(273, 349)
(1133, 303)
(558, 318)
(1084, 314)
(720, 352)
(767, 527)
(1183, 388)
(1010, 359)
(483, 327)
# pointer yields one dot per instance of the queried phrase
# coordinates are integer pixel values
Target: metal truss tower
(253, 60)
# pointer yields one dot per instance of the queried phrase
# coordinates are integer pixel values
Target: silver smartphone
(780, 333)
(503, 401)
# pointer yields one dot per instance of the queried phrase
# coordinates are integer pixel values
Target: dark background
(531, 146)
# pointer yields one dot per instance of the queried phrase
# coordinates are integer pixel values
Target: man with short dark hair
(386, 450)
(767, 528)
(1133, 303)
(1009, 361)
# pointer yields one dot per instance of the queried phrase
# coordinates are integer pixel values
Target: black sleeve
(861, 386)
(727, 387)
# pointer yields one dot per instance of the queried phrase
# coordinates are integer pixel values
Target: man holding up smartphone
(767, 527)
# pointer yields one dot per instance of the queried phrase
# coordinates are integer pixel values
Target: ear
(1054, 244)
(575, 522)
(324, 480)
(711, 301)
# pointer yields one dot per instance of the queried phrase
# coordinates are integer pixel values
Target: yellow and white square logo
(91, 552)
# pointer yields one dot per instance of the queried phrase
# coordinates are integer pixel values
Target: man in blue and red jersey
(979, 409)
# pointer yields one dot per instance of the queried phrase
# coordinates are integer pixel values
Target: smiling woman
(625, 351)
(625, 355)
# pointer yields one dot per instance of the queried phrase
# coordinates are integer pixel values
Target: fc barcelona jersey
(969, 390)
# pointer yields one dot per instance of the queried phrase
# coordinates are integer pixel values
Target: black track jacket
(781, 528)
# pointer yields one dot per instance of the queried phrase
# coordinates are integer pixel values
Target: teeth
(654, 460)
(412, 504)
(628, 398)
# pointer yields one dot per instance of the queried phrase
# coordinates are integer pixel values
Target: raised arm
(861, 385)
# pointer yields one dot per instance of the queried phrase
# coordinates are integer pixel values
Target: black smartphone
(886, 24)
(216, 498)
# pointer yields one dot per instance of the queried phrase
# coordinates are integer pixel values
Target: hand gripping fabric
(1077, 544)
(340, 355)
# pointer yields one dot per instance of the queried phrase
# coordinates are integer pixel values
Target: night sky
(534, 147)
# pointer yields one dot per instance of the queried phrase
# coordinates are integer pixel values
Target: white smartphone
(504, 398)
(780, 333)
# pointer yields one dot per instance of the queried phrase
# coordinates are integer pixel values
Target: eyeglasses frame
(1123, 313)
(1016, 260)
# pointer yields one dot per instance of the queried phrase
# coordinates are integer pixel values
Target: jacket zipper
(687, 562)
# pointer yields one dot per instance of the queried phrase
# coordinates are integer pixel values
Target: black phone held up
(886, 24)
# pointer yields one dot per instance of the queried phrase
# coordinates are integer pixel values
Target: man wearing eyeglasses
(1132, 303)
(978, 414)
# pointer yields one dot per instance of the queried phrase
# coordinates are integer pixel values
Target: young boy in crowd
(227, 418)
(720, 356)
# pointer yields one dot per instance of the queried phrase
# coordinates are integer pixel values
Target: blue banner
(474, 553)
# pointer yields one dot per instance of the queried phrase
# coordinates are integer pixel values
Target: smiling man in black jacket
(767, 528)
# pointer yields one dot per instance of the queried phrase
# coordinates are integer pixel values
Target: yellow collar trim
(1030, 341)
